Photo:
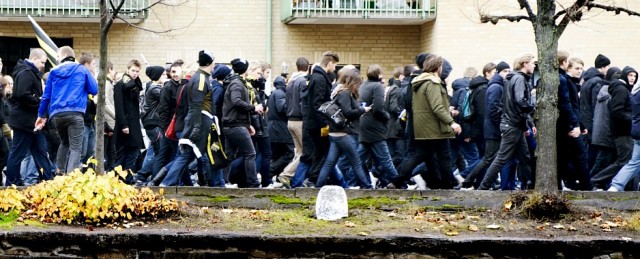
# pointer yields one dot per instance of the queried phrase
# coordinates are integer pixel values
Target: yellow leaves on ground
(86, 197)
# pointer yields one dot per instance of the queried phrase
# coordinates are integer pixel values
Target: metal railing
(68, 8)
(359, 9)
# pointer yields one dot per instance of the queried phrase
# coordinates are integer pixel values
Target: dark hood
(625, 72)
(477, 82)
(279, 83)
(446, 70)
(460, 83)
(613, 74)
(591, 73)
(24, 65)
(497, 79)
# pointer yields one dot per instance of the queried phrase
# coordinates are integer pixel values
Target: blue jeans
(343, 145)
(167, 153)
(380, 154)
(23, 143)
(630, 170)
(127, 157)
(88, 142)
(263, 159)
(300, 175)
(28, 171)
(147, 166)
(469, 151)
(70, 128)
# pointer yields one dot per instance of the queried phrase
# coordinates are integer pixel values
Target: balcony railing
(391, 12)
(68, 10)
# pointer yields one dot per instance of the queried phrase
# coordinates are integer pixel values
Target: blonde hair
(520, 61)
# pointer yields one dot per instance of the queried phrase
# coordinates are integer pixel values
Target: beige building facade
(250, 29)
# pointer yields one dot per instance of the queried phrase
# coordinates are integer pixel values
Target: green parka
(431, 117)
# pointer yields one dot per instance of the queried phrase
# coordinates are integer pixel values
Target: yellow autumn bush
(86, 197)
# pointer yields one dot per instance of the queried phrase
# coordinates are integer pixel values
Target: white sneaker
(275, 185)
(354, 187)
(468, 189)
(459, 178)
(612, 189)
(374, 180)
(412, 187)
(235, 185)
(422, 185)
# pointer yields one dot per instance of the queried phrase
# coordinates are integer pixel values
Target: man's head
(133, 68)
(433, 64)
(154, 72)
(329, 61)
(470, 72)
(255, 70)
(88, 60)
(420, 58)
(525, 64)
(175, 71)
(302, 64)
(205, 60)
(266, 69)
(563, 59)
(408, 69)
(629, 75)
(503, 69)
(111, 72)
(489, 70)
(574, 67)
(602, 63)
(240, 66)
(38, 57)
(398, 72)
(374, 72)
(64, 52)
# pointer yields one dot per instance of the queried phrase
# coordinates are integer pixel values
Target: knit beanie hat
(420, 58)
(602, 61)
(239, 65)
(502, 66)
(205, 58)
(154, 72)
(221, 71)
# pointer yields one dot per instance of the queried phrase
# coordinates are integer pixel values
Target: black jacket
(318, 92)
(588, 97)
(394, 105)
(126, 94)
(277, 117)
(478, 86)
(297, 82)
(89, 115)
(168, 99)
(237, 107)
(518, 106)
(197, 95)
(25, 100)
(373, 124)
(351, 110)
(568, 103)
(218, 97)
(149, 116)
(620, 107)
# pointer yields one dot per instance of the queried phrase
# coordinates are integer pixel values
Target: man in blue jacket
(65, 100)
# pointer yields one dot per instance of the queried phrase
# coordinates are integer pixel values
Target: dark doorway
(13, 49)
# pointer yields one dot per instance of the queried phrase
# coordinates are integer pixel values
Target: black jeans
(238, 142)
(513, 143)
(491, 151)
(320, 151)
(109, 152)
(624, 148)
(282, 154)
(572, 161)
(397, 150)
(439, 168)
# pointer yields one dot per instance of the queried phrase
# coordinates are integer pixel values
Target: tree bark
(547, 97)
(105, 24)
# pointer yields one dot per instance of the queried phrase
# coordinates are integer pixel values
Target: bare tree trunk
(105, 23)
(547, 97)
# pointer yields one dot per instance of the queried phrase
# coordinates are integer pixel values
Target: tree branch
(495, 18)
(524, 4)
(571, 14)
(614, 9)
(159, 2)
(154, 31)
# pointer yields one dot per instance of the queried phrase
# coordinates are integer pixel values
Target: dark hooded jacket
(620, 106)
(168, 100)
(459, 87)
(518, 105)
(25, 100)
(393, 105)
(493, 108)
(237, 106)
(568, 103)
(625, 76)
(635, 112)
(373, 124)
(277, 114)
(351, 110)
(219, 74)
(318, 92)
(588, 97)
(478, 86)
(294, 88)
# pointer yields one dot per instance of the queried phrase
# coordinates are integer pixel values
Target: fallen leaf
(474, 218)
(228, 211)
(627, 238)
(161, 191)
(451, 233)
(417, 229)
(541, 227)
(611, 224)
(349, 224)
(607, 230)
(507, 205)
(571, 228)
(420, 217)
(363, 234)
(558, 226)
(392, 215)
(493, 226)
(473, 228)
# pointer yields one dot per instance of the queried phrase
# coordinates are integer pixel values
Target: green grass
(217, 199)
(281, 199)
(374, 203)
(9, 219)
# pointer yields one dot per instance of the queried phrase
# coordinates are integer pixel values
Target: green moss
(375, 203)
(634, 222)
(281, 199)
(574, 197)
(210, 198)
(8, 219)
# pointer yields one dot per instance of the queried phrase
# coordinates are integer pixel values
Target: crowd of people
(217, 126)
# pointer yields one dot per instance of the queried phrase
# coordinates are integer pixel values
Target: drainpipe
(269, 31)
